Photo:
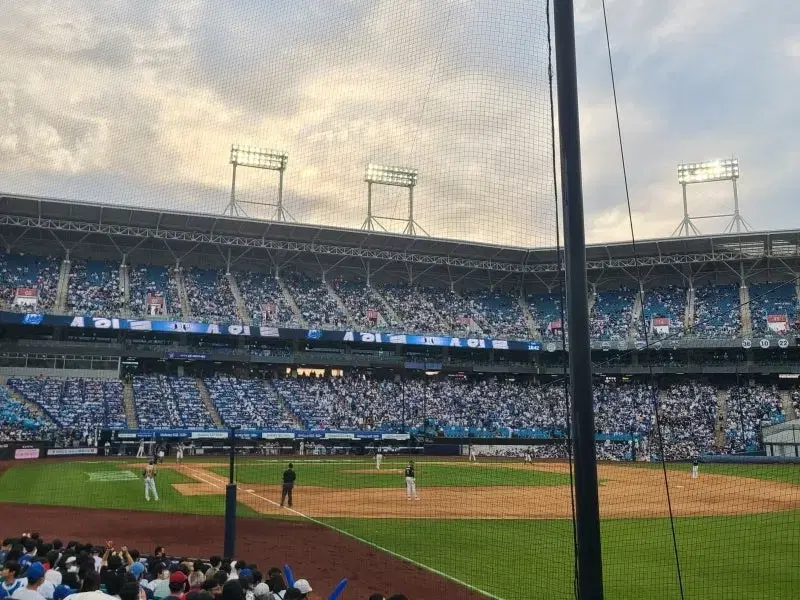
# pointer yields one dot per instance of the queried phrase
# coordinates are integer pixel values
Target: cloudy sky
(138, 103)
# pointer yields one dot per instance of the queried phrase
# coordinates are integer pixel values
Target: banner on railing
(777, 323)
(211, 329)
(26, 296)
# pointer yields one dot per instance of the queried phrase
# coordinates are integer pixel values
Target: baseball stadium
(239, 373)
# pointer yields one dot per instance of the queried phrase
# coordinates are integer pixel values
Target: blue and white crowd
(690, 413)
(94, 288)
(169, 401)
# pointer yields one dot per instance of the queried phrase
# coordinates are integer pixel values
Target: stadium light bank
(258, 158)
(398, 177)
(707, 172)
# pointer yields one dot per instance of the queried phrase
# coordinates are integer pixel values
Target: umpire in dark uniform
(289, 477)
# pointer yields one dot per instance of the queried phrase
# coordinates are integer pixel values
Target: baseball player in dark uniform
(411, 481)
(289, 477)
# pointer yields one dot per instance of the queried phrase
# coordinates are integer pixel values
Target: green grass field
(753, 556)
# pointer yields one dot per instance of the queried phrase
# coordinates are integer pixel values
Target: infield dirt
(624, 492)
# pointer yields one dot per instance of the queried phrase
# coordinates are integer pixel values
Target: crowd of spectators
(246, 403)
(75, 402)
(145, 281)
(688, 414)
(362, 304)
(164, 402)
(263, 298)
(666, 302)
(624, 408)
(317, 307)
(717, 311)
(210, 297)
(416, 307)
(747, 407)
(25, 271)
(18, 422)
(611, 317)
(500, 314)
(768, 299)
(94, 288)
(451, 406)
(34, 569)
(546, 310)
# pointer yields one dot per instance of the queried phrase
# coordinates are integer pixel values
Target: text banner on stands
(364, 337)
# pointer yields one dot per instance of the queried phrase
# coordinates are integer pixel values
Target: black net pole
(587, 512)
(230, 499)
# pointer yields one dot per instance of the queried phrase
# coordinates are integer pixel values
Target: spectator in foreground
(35, 577)
(11, 580)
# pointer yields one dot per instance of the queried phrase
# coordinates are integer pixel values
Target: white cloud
(139, 103)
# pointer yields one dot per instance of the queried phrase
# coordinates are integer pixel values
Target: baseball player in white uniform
(150, 481)
(140, 451)
(472, 457)
(179, 453)
(411, 481)
(378, 459)
(695, 469)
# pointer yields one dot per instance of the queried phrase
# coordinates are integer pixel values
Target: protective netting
(457, 90)
(420, 399)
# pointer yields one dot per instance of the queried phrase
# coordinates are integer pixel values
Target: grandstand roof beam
(60, 243)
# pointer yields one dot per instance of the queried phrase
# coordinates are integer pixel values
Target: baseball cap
(303, 585)
(137, 569)
(178, 577)
(62, 591)
(35, 572)
(245, 573)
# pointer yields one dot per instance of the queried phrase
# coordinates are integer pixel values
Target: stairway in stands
(636, 316)
(744, 305)
(387, 308)
(205, 397)
(296, 423)
(63, 286)
(788, 407)
(688, 317)
(241, 307)
(722, 417)
(186, 308)
(129, 404)
(290, 301)
(339, 303)
(530, 322)
(125, 288)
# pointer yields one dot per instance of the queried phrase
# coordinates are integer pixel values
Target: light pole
(706, 172)
(258, 158)
(398, 177)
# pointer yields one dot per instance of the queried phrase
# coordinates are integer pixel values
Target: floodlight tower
(399, 177)
(258, 158)
(706, 172)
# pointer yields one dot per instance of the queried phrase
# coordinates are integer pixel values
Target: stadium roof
(110, 221)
